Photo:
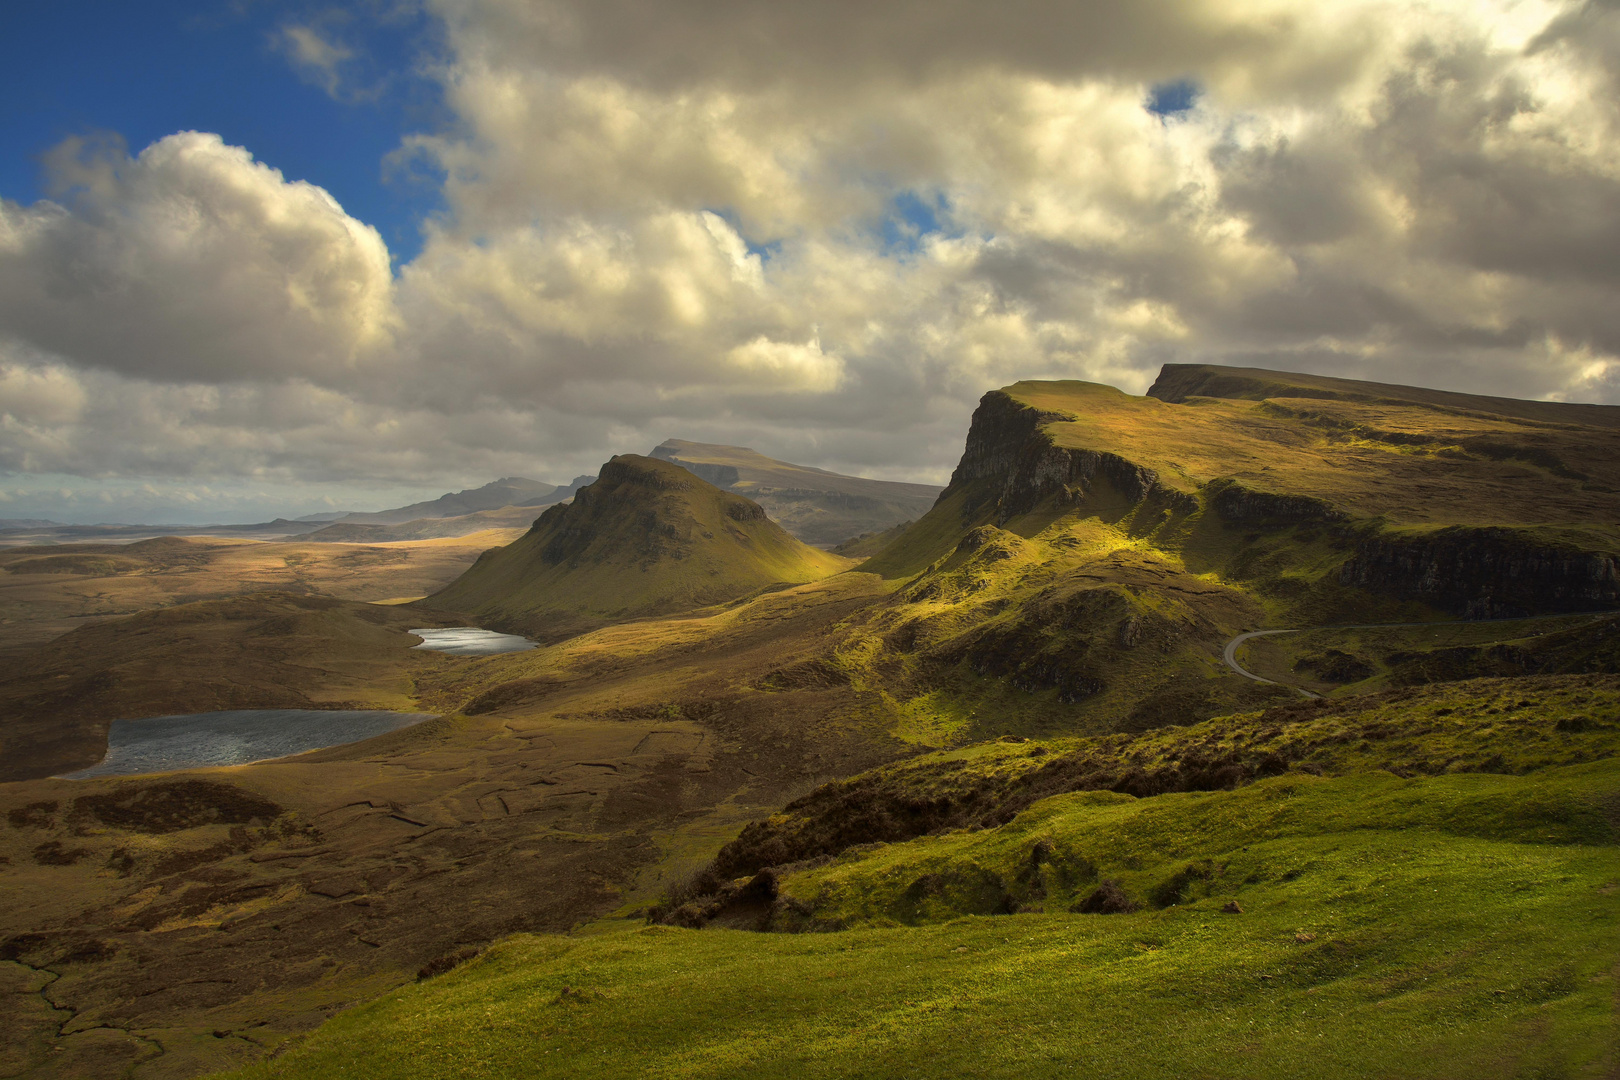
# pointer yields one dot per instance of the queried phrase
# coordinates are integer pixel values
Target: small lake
(201, 740)
(470, 641)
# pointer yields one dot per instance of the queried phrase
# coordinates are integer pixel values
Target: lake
(200, 740)
(470, 641)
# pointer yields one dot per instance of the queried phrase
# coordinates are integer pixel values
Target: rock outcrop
(1242, 505)
(1010, 465)
(1486, 572)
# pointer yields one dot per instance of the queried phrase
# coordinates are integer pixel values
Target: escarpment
(1010, 465)
(1245, 506)
(1465, 504)
(1486, 573)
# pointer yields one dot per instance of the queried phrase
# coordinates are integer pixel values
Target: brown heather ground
(47, 591)
(589, 775)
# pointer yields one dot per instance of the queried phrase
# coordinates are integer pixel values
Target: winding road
(1230, 653)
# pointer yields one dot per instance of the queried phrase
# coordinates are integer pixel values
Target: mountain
(439, 518)
(647, 538)
(1210, 448)
(1106, 805)
(507, 491)
(428, 528)
(454, 514)
(1096, 549)
(819, 507)
(1179, 382)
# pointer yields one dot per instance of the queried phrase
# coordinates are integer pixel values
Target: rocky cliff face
(1025, 468)
(1486, 573)
(1014, 463)
(1243, 505)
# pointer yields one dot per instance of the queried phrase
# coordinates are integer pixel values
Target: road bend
(1232, 647)
(1232, 661)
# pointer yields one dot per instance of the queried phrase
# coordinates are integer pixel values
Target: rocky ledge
(1012, 465)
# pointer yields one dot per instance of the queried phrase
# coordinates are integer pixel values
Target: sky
(262, 258)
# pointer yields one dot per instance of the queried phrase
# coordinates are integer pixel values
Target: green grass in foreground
(1447, 926)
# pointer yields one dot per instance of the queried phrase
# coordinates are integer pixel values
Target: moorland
(975, 795)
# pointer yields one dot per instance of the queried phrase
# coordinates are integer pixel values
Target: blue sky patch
(1171, 98)
(146, 70)
(911, 217)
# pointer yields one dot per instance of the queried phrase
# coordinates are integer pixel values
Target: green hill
(1286, 450)
(1094, 549)
(648, 538)
(1360, 906)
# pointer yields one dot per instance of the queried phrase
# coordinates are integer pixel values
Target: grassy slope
(1521, 761)
(1439, 926)
(1408, 462)
(869, 544)
(648, 538)
(1053, 623)
(1177, 382)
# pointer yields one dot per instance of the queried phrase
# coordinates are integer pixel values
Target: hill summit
(648, 538)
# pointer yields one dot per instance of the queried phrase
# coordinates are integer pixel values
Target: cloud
(192, 261)
(749, 45)
(825, 231)
(314, 55)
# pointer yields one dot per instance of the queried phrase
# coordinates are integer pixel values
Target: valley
(981, 786)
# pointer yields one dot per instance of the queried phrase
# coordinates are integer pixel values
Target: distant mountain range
(507, 491)
(819, 507)
(508, 503)
(455, 513)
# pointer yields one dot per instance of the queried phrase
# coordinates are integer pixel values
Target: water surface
(200, 740)
(470, 641)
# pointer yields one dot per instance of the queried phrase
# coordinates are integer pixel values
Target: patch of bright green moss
(1373, 941)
